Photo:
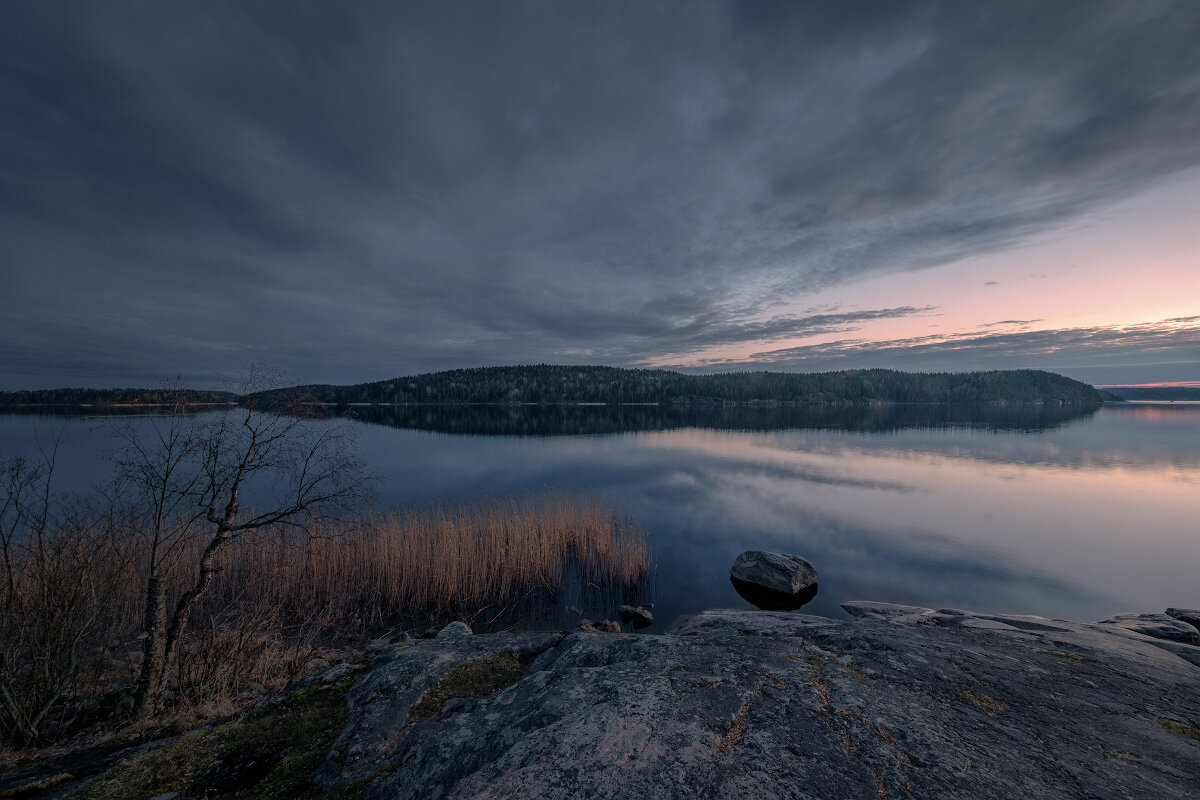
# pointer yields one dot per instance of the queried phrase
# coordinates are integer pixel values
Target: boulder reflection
(769, 600)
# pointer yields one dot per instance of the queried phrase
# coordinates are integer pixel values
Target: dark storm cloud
(1088, 353)
(366, 191)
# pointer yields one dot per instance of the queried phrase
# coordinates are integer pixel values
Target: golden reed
(440, 560)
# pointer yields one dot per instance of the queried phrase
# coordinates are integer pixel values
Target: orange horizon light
(1159, 385)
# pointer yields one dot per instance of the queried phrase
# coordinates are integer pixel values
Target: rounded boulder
(774, 572)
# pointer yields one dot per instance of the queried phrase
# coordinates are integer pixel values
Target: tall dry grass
(493, 560)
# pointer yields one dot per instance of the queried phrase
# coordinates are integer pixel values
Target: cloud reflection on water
(1079, 518)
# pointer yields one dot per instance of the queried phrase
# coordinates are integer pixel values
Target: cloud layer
(1095, 351)
(354, 193)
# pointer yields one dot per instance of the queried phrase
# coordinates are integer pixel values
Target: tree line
(107, 397)
(545, 384)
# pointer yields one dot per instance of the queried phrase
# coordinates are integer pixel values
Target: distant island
(545, 384)
(104, 398)
(548, 384)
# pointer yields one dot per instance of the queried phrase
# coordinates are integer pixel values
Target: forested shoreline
(547, 384)
(114, 397)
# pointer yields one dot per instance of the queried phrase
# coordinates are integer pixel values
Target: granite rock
(775, 572)
(1189, 615)
(454, 630)
(1157, 626)
(902, 702)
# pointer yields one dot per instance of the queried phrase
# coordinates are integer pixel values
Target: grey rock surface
(901, 703)
(775, 572)
(454, 630)
(336, 673)
(872, 610)
(1158, 626)
(1189, 615)
(379, 645)
(381, 699)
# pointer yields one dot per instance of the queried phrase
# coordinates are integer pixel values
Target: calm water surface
(1008, 511)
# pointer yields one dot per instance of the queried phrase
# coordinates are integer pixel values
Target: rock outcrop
(1158, 626)
(902, 702)
(1189, 615)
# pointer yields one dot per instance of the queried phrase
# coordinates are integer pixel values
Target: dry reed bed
(433, 563)
(440, 561)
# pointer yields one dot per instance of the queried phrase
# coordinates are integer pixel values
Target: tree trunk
(183, 608)
(154, 648)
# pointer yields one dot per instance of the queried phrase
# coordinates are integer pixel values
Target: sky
(355, 191)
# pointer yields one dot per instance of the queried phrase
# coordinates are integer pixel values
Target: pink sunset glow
(1114, 293)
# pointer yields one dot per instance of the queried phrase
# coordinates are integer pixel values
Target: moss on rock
(269, 753)
(477, 678)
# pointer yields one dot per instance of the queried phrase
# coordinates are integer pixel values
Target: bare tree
(203, 480)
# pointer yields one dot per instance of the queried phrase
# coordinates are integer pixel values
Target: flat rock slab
(943, 704)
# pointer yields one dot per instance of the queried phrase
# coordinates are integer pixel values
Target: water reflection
(772, 601)
(1035, 510)
(574, 420)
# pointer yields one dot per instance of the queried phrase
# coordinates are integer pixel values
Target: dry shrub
(63, 568)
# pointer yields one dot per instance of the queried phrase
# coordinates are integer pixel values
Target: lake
(1028, 510)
